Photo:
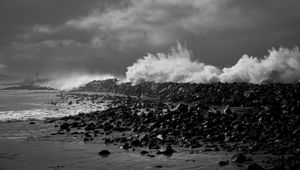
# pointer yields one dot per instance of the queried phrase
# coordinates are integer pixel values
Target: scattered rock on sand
(256, 117)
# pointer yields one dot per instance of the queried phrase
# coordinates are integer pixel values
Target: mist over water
(280, 65)
(74, 80)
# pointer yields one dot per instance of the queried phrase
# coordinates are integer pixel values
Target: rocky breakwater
(195, 122)
(233, 94)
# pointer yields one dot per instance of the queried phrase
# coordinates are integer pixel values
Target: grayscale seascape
(149, 84)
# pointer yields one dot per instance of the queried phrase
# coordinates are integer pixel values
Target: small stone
(153, 145)
(223, 163)
(239, 158)
(125, 146)
(104, 153)
(90, 126)
(151, 156)
(136, 143)
(64, 126)
(86, 139)
(158, 166)
(255, 166)
(182, 108)
(169, 150)
(144, 152)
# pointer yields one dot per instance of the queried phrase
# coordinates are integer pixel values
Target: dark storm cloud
(107, 36)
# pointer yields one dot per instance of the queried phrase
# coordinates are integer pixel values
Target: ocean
(16, 105)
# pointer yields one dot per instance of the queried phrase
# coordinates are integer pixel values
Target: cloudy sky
(105, 36)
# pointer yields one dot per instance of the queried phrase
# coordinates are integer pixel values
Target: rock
(125, 146)
(136, 143)
(108, 127)
(64, 126)
(75, 124)
(153, 145)
(223, 163)
(151, 156)
(169, 151)
(88, 135)
(254, 166)
(239, 158)
(158, 166)
(90, 126)
(107, 141)
(181, 108)
(104, 153)
(196, 145)
(227, 110)
(144, 152)
(86, 139)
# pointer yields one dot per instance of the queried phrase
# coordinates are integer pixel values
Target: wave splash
(175, 66)
(279, 66)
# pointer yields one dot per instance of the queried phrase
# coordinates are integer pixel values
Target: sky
(105, 36)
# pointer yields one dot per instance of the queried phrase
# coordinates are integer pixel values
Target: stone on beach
(104, 153)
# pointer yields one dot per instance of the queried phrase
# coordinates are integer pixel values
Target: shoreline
(57, 151)
(128, 119)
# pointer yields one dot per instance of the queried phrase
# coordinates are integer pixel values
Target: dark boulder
(104, 153)
(223, 163)
(136, 143)
(90, 126)
(169, 151)
(64, 126)
(144, 152)
(181, 108)
(239, 158)
(153, 145)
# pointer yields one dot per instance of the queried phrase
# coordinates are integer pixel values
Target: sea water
(18, 105)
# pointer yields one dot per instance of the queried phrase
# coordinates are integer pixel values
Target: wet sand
(28, 146)
(55, 154)
(31, 155)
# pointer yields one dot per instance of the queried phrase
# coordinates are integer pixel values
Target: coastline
(128, 119)
(36, 150)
